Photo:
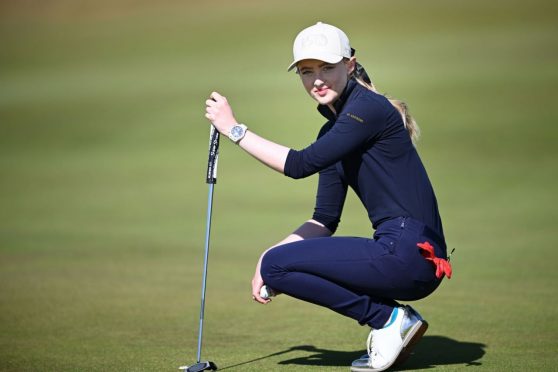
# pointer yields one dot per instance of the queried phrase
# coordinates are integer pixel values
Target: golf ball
(266, 292)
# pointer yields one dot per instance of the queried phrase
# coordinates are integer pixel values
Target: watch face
(236, 131)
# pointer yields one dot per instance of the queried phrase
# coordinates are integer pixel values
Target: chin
(328, 99)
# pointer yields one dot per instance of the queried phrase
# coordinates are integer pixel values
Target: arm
(350, 132)
(269, 153)
(219, 112)
(309, 229)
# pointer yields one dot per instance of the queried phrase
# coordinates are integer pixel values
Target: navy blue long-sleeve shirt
(366, 146)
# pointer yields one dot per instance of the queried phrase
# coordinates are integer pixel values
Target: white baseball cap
(322, 42)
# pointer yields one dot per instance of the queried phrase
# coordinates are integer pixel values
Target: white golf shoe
(393, 343)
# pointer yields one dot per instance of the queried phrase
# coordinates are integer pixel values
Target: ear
(351, 65)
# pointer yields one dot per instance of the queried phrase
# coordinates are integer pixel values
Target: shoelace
(443, 267)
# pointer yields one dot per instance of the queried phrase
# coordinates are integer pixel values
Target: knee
(270, 270)
(266, 268)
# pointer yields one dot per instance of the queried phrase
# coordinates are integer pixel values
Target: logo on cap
(322, 42)
(318, 40)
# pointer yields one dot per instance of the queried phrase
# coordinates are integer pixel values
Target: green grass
(103, 148)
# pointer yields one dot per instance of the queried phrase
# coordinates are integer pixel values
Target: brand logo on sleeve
(355, 117)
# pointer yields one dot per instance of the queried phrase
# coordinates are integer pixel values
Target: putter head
(198, 367)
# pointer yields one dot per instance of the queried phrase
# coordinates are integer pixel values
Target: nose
(319, 79)
(318, 82)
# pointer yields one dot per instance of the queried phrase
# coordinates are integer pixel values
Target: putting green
(103, 149)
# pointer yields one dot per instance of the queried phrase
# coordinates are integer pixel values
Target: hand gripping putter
(211, 179)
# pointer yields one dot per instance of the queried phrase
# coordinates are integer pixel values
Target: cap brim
(326, 57)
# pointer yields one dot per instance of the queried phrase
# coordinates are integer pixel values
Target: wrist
(237, 132)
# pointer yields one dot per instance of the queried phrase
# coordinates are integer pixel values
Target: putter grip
(211, 176)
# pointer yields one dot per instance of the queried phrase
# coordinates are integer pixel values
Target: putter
(211, 179)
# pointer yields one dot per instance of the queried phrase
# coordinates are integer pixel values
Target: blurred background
(103, 150)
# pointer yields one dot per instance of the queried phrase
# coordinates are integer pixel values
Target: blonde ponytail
(408, 121)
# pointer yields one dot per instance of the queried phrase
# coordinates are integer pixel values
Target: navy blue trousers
(357, 277)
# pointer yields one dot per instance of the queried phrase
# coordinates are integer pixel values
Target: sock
(392, 318)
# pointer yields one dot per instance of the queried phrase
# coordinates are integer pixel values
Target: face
(325, 81)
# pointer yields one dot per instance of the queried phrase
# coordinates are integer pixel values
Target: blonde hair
(408, 121)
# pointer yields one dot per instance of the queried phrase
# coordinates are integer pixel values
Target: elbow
(295, 176)
(296, 166)
(329, 222)
(298, 170)
(332, 228)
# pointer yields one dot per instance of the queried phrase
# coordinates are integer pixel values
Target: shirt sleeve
(330, 198)
(356, 125)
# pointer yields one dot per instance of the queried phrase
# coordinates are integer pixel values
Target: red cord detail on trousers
(442, 266)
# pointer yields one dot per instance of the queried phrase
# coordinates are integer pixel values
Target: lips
(322, 91)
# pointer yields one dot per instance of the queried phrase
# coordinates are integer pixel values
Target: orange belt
(443, 267)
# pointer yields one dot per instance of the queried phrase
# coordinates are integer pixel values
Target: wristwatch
(238, 132)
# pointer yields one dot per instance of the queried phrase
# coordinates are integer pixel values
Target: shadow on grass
(434, 351)
(430, 352)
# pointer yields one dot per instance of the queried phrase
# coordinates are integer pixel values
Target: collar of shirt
(338, 105)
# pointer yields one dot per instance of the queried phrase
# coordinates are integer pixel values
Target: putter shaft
(205, 259)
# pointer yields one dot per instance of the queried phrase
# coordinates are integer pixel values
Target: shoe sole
(411, 339)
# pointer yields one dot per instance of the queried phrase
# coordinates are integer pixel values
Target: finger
(212, 111)
(210, 102)
(256, 297)
(209, 116)
(217, 97)
(261, 300)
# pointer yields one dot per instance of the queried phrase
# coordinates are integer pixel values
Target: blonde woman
(367, 145)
